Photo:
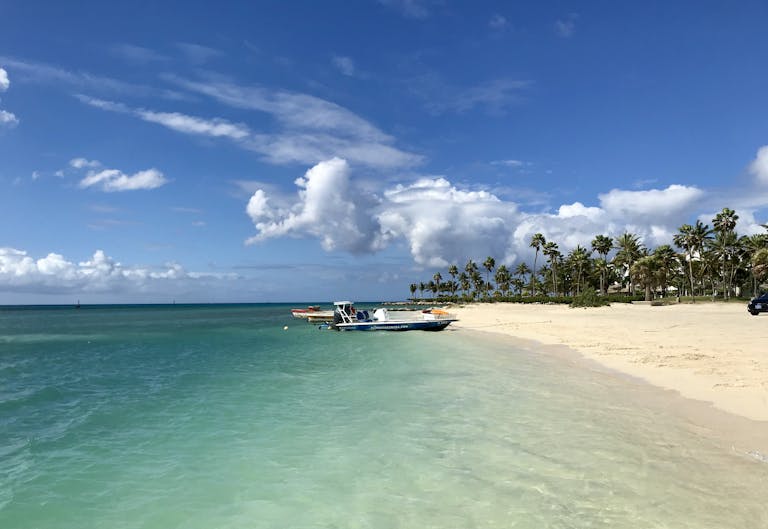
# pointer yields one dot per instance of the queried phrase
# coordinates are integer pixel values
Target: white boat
(320, 316)
(346, 318)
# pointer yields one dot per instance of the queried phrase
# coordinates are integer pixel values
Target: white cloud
(51, 75)
(310, 129)
(4, 82)
(759, 166)
(8, 118)
(577, 209)
(79, 163)
(294, 111)
(344, 64)
(116, 180)
(20, 272)
(215, 127)
(658, 203)
(511, 163)
(329, 207)
(441, 223)
(103, 104)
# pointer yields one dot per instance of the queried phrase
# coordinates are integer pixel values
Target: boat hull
(426, 325)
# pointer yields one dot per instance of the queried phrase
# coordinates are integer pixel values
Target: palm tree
(464, 282)
(724, 225)
(603, 269)
(685, 240)
(522, 270)
(725, 221)
(472, 273)
(537, 241)
(578, 258)
(701, 236)
(602, 244)
(629, 251)
(437, 278)
(553, 254)
(502, 278)
(489, 264)
(724, 248)
(453, 270)
(760, 265)
(645, 271)
(751, 245)
(666, 260)
(422, 287)
(413, 288)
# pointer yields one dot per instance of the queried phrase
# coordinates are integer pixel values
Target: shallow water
(215, 417)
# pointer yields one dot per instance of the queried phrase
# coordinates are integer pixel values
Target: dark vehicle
(758, 305)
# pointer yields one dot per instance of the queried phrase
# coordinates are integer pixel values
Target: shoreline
(705, 351)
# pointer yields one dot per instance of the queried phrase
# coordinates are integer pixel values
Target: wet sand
(713, 352)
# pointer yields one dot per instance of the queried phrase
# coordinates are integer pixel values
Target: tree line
(715, 262)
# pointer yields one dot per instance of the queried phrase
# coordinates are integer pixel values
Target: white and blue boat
(346, 318)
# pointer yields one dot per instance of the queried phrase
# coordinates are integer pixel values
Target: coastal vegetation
(705, 263)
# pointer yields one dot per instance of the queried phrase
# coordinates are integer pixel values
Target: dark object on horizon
(758, 305)
(78, 304)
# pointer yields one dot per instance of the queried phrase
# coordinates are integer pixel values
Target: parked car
(758, 304)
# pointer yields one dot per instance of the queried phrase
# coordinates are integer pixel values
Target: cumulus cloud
(442, 223)
(657, 203)
(4, 82)
(759, 166)
(21, 272)
(330, 208)
(79, 163)
(7, 119)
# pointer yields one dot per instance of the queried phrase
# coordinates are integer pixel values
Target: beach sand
(713, 352)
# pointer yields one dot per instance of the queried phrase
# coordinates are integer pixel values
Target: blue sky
(287, 151)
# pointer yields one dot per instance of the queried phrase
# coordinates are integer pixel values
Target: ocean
(214, 416)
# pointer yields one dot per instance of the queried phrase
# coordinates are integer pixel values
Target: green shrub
(588, 298)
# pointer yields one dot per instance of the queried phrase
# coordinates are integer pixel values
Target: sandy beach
(712, 352)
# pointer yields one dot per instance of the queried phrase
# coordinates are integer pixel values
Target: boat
(346, 318)
(303, 313)
(320, 316)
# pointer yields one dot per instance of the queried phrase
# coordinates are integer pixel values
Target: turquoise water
(215, 417)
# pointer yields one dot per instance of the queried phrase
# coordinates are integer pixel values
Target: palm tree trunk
(690, 274)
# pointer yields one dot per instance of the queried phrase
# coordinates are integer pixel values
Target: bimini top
(340, 303)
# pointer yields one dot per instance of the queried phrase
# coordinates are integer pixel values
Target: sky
(270, 151)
